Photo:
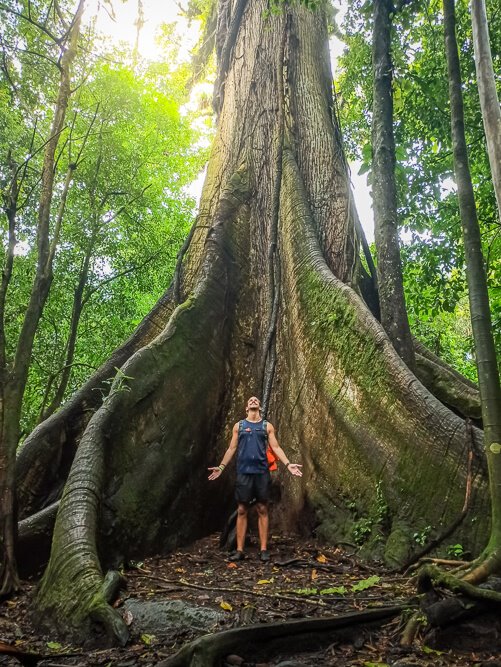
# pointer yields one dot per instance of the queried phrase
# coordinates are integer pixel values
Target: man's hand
(294, 469)
(216, 472)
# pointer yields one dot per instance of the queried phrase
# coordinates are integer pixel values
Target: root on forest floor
(303, 634)
(469, 601)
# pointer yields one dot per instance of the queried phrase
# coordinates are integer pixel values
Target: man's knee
(262, 509)
(242, 510)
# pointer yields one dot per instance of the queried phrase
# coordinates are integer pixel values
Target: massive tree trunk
(342, 400)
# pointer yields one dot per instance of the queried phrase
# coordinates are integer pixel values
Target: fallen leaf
(232, 565)
(261, 582)
(321, 558)
(366, 583)
(337, 590)
(305, 591)
(180, 569)
(54, 646)
(314, 575)
(147, 639)
(226, 606)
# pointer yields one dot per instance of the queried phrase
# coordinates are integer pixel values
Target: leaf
(321, 558)
(265, 581)
(306, 591)
(364, 584)
(147, 639)
(337, 590)
(54, 646)
(232, 565)
(226, 606)
(427, 649)
(314, 575)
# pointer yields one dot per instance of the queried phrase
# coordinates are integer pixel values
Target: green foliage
(305, 591)
(336, 590)
(361, 530)
(455, 550)
(136, 150)
(432, 252)
(364, 584)
(421, 536)
(277, 6)
(362, 527)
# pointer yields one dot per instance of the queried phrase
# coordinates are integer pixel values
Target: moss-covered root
(271, 638)
(73, 594)
(488, 563)
(431, 576)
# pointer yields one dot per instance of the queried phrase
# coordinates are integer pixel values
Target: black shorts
(250, 487)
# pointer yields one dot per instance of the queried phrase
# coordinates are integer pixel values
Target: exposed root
(457, 564)
(431, 576)
(482, 568)
(411, 629)
(111, 621)
(271, 638)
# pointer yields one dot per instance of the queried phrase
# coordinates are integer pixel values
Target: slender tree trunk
(384, 195)
(488, 376)
(78, 304)
(14, 380)
(489, 102)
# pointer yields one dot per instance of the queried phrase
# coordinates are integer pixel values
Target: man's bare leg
(262, 523)
(241, 525)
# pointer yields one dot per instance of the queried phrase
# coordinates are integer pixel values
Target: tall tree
(488, 375)
(491, 111)
(384, 194)
(341, 397)
(14, 374)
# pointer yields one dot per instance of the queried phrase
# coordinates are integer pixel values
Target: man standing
(250, 439)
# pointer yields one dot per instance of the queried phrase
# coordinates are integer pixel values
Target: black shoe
(237, 555)
(264, 556)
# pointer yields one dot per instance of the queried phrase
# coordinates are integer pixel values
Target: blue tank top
(252, 444)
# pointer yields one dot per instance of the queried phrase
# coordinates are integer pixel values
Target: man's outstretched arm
(293, 468)
(230, 452)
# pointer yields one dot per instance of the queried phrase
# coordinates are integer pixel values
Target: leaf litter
(248, 592)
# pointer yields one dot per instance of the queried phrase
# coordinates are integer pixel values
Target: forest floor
(301, 580)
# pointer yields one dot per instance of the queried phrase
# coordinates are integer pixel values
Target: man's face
(253, 403)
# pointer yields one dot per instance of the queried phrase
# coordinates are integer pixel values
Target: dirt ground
(302, 580)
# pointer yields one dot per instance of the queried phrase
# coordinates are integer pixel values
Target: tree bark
(488, 376)
(384, 191)
(489, 102)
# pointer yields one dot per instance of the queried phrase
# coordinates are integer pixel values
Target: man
(250, 439)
